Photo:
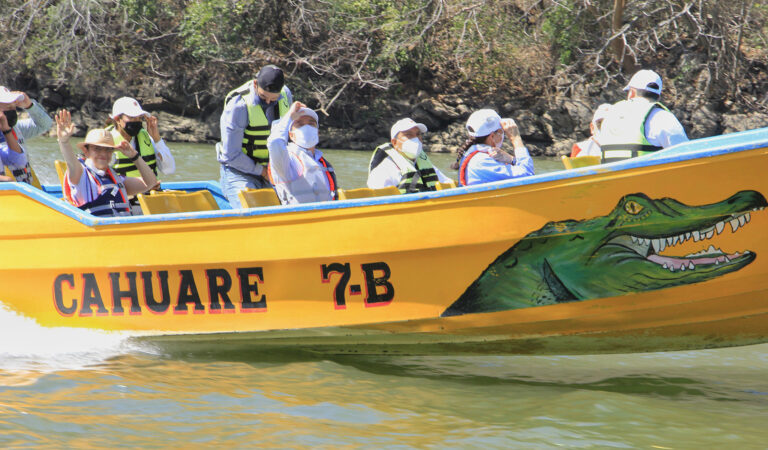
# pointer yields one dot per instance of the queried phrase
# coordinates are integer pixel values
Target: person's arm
(38, 123)
(233, 121)
(165, 161)
(279, 156)
(64, 130)
(289, 95)
(8, 135)
(662, 129)
(135, 185)
(485, 169)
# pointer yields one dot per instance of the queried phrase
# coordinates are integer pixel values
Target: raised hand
(25, 102)
(295, 107)
(501, 156)
(512, 131)
(126, 149)
(64, 126)
(152, 129)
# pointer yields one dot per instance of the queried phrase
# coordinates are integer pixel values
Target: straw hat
(98, 136)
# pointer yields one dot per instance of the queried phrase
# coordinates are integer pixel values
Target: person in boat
(640, 124)
(39, 122)
(298, 170)
(127, 124)
(591, 146)
(481, 159)
(402, 161)
(90, 184)
(10, 150)
(249, 112)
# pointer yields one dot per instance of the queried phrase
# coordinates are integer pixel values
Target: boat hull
(499, 269)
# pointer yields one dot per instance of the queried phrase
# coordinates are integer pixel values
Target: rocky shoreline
(549, 127)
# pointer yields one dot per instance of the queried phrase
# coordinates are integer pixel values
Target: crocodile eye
(633, 207)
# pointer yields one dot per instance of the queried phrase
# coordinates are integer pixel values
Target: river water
(74, 388)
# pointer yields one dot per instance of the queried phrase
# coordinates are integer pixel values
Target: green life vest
(622, 134)
(409, 181)
(256, 133)
(123, 165)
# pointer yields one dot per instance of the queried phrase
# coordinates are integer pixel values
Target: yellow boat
(662, 252)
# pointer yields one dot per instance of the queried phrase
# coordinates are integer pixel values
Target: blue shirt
(233, 121)
(482, 168)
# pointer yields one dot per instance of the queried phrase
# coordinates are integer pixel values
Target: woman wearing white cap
(402, 162)
(481, 160)
(90, 184)
(126, 125)
(297, 169)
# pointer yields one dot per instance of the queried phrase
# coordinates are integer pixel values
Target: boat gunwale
(692, 150)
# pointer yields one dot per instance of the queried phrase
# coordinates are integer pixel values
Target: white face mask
(305, 136)
(411, 148)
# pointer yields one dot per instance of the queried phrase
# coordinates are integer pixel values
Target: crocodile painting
(612, 255)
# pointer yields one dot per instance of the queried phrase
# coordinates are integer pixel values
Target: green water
(64, 388)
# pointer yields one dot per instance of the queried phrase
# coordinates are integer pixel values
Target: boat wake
(27, 346)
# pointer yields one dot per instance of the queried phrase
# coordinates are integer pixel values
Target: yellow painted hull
(275, 277)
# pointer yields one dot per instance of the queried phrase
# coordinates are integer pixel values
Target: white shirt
(662, 129)
(165, 163)
(388, 174)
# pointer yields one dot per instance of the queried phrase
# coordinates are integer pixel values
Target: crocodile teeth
(696, 236)
(670, 241)
(727, 260)
(682, 268)
(720, 226)
(690, 265)
(734, 224)
(664, 266)
(710, 233)
(742, 220)
(658, 245)
(687, 235)
(747, 217)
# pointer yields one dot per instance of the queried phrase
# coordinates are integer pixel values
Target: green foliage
(215, 28)
(564, 30)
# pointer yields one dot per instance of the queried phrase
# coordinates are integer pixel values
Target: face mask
(305, 136)
(411, 148)
(12, 117)
(133, 128)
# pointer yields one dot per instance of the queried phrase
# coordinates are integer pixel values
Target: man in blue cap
(640, 124)
(245, 124)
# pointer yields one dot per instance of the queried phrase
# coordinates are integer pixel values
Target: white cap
(483, 122)
(128, 106)
(405, 125)
(6, 96)
(308, 112)
(601, 113)
(647, 80)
